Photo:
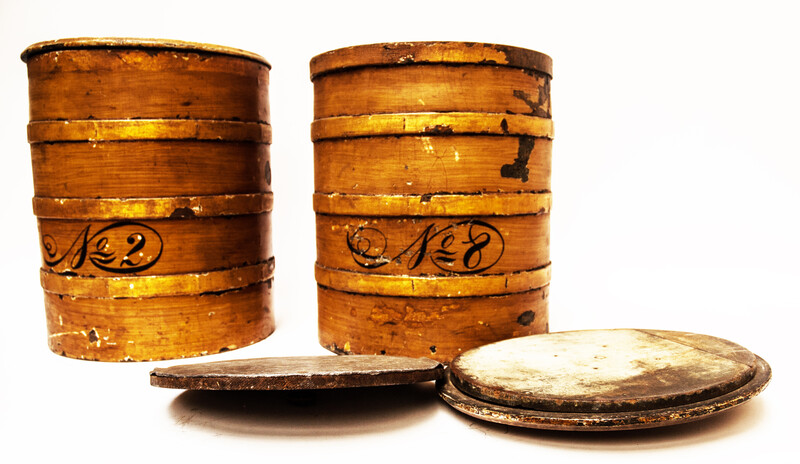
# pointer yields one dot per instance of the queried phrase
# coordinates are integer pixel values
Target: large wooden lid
(611, 379)
(135, 43)
(404, 53)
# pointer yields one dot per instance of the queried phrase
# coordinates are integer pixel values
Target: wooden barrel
(432, 194)
(151, 172)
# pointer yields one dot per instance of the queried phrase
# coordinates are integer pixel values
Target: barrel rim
(438, 52)
(150, 286)
(84, 43)
(432, 286)
(430, 205)
(185, 207)
(96, 130)
(431, 124)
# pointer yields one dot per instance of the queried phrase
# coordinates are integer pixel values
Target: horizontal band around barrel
(430, 124)
(157, 285)
(406, 53)
(83, 43)
(96, 130)
(487, 204)
(429, 286)
(152, 208)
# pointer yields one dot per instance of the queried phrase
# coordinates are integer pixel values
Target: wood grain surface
(438, 328)
(405, 53)
(416, 165)
(149, 168)
(147, 329)
(433, 245)
(154, 247)
(432, 88)
(128, 83)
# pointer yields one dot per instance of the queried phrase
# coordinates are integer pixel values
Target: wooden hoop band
(92, 130)
(433, 286)
(146, 44)
(430, 124)
(488, 204)
(153, 286)
(404, 53)
(152, 208)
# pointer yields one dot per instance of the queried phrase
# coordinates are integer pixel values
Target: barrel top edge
(82, 43)
(405, 53)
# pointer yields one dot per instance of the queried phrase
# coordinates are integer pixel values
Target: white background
(675, 180)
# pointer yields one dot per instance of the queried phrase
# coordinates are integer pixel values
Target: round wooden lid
(404, 53)
(126, 42)
(614, 379)
(298, 373)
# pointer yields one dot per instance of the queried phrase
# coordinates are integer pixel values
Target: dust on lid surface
(603, 370)
(82, 43)
(405, 53)
(298, 373)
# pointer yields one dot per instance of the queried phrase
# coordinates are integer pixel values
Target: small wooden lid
(405, 53)
(299, 373)
(135, 43)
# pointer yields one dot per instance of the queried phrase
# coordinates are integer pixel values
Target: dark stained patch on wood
(519, 168)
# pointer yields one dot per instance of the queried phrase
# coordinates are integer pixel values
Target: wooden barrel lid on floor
(603, 379)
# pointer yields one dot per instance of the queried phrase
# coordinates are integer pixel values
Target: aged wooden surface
(298, 373)
(153, 246)
(163, 169)
(155, 328)
(416, 165)
(432, 285)
(153, 199)
(451, 245)
(603, 379)
(436, 327)
(432, 193)
(400, 53)
(73, 79)
(421, 77)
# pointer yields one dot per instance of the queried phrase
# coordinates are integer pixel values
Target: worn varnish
(298, 373)
(603, 379)
(432, 194)
(152, 178)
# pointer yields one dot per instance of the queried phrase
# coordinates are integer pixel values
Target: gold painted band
(159, 285)
(431, 124)
(417, 286)
(152, 208)
(104, 43)
(97, 130)
(406, 53)
(488, 204)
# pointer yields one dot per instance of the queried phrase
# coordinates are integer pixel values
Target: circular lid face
(127, 42)
(614, 379)
(405, 53)
(298, 373)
